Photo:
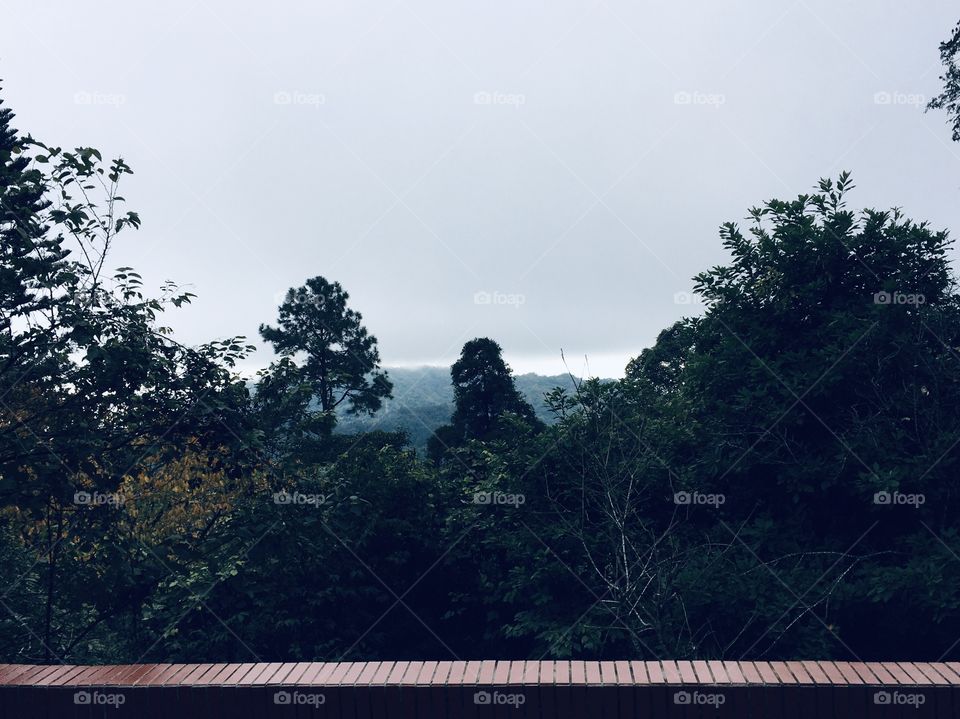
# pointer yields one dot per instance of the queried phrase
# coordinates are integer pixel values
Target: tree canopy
(772, 478)
(949, 99)
(483, 393)
(342, 362)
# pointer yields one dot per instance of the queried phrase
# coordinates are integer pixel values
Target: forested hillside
(423, 401)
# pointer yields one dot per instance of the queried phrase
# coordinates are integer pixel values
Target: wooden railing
(545, 689)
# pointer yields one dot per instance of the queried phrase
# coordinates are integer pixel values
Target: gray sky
(572, 160)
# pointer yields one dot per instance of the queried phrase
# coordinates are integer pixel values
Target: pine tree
(342, 362)
(483, 391)
(29, 260)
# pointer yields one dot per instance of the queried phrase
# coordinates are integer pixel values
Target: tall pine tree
(483, 391)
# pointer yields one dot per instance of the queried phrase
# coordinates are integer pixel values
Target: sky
(551, 174)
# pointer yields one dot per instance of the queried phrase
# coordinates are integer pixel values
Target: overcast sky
(550, 174)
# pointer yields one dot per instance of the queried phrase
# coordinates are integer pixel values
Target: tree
(483, 392)
(92, 388)
(29, 259)
(949, 99)
(822, 378)
(312, 570)
(341, 362)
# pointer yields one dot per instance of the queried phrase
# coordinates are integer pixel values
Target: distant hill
(423, 400)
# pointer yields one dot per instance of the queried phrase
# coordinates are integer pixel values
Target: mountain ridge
(423, 400)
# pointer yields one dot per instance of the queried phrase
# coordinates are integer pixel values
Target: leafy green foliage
(774, 478)
(949, 99)
(92, 386)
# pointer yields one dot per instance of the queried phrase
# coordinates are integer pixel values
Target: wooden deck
(595, 690)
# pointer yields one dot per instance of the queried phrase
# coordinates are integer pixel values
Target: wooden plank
(806, 694)
(424, 691)
(67, 679)
(58, 673)
(608, 694)
(578, 672)
(592, 674)
(765, 670)
(544, 693)
(655, 672)
(471, 675)
(914, 673)
(11, 671)
(517, 673)
(833, 674)
(717, 671)
(950, 677)
(639, 671)
(815, 672)
(455, 690)
(898, 674)
(799, 673)
(197, 671)
(625, 689)
(577, 693)
(378, 693)
(472, 686)
(640, 691)
(734, 673)
(750, 673)
(561, 672)
(685, 669)
(439, 695)
(671, 673)
(353, 673)
(492, 675)
(279, 677)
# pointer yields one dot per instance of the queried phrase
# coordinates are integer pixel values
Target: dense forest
(773, 478)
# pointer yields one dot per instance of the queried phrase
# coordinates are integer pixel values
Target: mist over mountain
(423, 400)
